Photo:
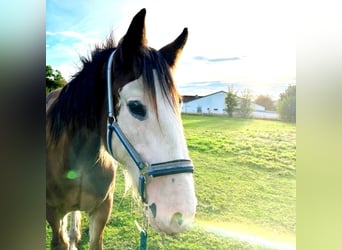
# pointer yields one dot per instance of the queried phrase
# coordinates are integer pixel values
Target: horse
(121, 107)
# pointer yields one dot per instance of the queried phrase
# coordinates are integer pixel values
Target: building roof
(189, 98)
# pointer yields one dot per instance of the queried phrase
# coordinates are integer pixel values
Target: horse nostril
(177, 218)
(153, 208)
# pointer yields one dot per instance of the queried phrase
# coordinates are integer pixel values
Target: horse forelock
(144, 63)
(164, 75)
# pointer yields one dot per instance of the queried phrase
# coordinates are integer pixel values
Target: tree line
(286, 106)
(53, 79)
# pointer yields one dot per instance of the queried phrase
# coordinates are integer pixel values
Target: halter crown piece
(145, 169)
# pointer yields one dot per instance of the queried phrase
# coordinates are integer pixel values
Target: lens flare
(247, 236)
(71, 175)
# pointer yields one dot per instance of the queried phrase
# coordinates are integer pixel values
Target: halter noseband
(145, 169)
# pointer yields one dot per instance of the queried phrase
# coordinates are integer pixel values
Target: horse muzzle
(171, 202)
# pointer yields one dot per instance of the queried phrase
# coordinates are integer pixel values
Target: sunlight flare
(250, 237)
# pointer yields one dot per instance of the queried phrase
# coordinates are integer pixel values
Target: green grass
(245, 180)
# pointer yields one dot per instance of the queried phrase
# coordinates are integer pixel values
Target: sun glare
(250, 234)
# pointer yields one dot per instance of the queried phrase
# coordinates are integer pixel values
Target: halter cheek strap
(113, 126)
(142, 166)
(109, 87)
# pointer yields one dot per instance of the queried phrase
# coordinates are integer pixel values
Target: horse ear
(135, 36)
(172, 51)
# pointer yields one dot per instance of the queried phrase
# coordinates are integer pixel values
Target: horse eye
(137, 110)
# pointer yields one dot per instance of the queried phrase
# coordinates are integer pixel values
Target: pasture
(245, 180)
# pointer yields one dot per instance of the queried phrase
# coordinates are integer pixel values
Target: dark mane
(82, 102)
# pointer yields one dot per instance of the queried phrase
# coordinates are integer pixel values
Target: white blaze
(157, 140)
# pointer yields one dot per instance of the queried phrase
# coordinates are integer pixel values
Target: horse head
(147, 111)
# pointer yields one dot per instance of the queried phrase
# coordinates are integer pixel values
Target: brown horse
(122, 106)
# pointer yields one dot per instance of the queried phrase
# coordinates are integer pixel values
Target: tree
(245, 109)
(231, 101)
(266, 101)
(54, 79)
(287, 104)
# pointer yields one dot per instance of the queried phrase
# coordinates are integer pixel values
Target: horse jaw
(171, 198)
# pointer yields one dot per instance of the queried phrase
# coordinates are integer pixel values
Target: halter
(145, 169)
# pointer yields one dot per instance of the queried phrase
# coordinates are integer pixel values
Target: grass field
(245, 180)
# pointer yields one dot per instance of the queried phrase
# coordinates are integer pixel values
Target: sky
(241, 44)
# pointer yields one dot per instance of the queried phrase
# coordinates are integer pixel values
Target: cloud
(73, 34)
(48, 33)
(66, 47)
(222, 59)
(67, 70)
(203, 88)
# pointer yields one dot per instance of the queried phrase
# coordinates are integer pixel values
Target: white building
(215, 104)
